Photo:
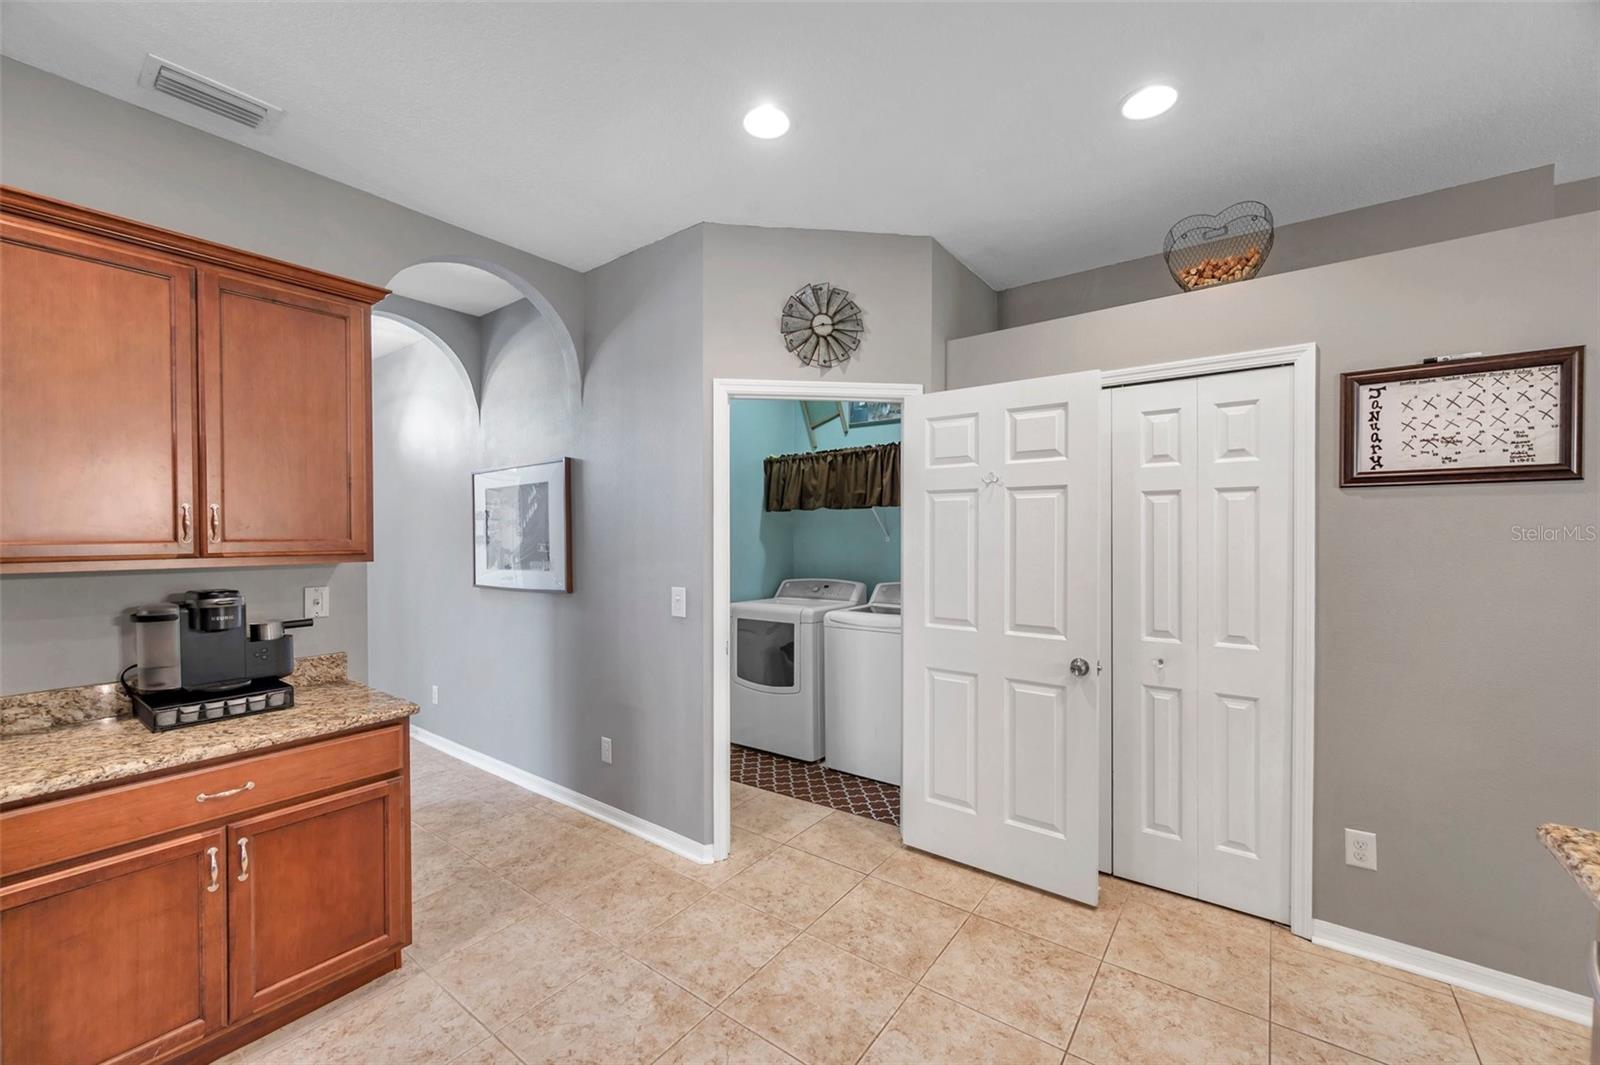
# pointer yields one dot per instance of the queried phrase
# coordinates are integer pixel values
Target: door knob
(1079, 667)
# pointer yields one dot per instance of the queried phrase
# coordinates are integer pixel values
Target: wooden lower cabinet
(183, 948)
(121, 960)
(314, 892)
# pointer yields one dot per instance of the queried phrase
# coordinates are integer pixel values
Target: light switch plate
(318, 602)
(680, 602)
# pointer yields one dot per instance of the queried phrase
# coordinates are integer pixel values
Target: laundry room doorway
(806, 576)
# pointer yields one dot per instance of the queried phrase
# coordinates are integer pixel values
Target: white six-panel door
(1000, 503)
(1201, 553)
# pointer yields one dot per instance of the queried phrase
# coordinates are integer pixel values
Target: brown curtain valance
(846, 479)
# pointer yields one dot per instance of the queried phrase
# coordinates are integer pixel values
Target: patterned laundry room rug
(814, 782)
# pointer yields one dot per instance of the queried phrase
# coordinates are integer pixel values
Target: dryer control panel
(843, 591)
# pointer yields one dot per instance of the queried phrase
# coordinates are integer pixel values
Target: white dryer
(778, 666)
(863, 707)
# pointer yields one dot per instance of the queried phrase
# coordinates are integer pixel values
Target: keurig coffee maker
(199, 661)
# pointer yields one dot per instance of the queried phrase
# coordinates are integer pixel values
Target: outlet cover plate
(605, 749)
(317, 602)
(1360, 849)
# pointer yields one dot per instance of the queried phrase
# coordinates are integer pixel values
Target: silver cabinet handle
(185, 524)
(216, 522)
(244, 858)
(211, 852)
(248, 785)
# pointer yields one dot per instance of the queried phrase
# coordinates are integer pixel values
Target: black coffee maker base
(178, 707)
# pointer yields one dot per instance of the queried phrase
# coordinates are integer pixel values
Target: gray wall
(1446, 214)
(963, 305)
(531, 678)
(1458, 685)
(62, 630)
(458, 333)
(66, 141)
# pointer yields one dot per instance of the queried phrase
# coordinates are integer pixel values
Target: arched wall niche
(571, 364)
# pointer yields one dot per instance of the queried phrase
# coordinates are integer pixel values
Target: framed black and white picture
(1512, 417)
(522, 527)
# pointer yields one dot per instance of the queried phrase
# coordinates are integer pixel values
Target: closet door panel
(1245, 531)
(1154, 625)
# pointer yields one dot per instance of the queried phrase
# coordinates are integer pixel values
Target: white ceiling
(454, 285)
(580, 132)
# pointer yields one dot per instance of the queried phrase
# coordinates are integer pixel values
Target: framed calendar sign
(1485, 418)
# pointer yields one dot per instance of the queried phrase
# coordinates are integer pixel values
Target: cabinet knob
(216, 522)
(185, 524)
(211, 852)
(244, 858)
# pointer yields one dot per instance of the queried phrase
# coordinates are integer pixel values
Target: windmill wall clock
(821, 325)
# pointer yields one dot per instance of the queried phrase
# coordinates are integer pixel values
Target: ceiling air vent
(213, 96)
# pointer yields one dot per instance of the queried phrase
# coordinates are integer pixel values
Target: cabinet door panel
(97, 379)
(141, 934)
(316, 890)
(287, 416)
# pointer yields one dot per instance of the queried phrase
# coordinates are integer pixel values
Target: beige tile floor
(545, 936)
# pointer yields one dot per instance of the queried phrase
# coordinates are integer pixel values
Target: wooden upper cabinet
(141, 934)
(286, 396)
(316, 889)
(97, 376)
(169, 402)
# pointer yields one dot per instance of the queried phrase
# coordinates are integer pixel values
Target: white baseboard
(638, 826)
(1568, 1005)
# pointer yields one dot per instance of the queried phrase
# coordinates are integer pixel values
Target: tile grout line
(1465, 1027)
(1078, 1020)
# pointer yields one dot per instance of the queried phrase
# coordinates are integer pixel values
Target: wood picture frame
(1516, 417)
(522, 527)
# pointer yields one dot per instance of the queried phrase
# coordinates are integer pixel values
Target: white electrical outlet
(605, 749)
(1360, 849)
(680, 602)
(318, 602)
(435, 695)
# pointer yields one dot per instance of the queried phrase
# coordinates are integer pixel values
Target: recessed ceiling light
(766, 122)
(1150, 101)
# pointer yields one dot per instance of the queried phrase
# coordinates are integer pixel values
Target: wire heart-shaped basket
(1216, 249)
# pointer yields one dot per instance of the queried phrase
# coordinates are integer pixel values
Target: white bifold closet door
(1200, 550)
(1000, 492)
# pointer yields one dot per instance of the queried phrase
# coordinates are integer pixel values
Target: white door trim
(1303, 611)
(724, 391)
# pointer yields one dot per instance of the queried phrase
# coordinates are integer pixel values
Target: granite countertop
(106, 749)
(1578, 850)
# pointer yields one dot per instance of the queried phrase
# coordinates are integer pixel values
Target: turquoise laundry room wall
(766, 548)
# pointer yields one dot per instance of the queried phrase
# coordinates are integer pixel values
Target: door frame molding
(724, 390)
(1303, 578)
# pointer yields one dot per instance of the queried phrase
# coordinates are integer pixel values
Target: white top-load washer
(863, 705)
(778, 665)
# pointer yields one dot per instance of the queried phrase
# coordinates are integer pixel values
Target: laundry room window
(765, 652)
